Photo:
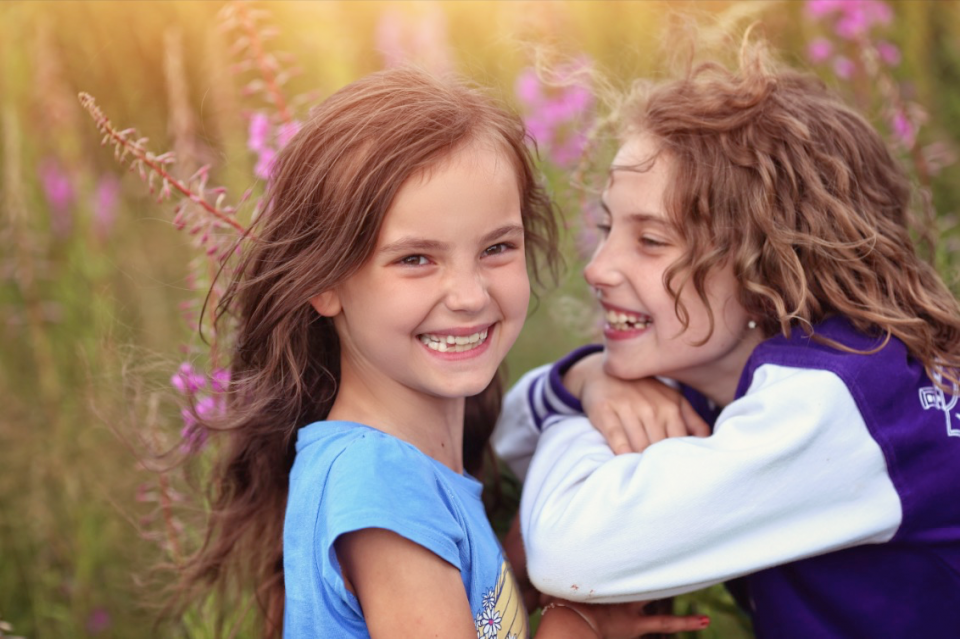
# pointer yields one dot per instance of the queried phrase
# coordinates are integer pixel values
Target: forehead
(638, 179)
(474, 185)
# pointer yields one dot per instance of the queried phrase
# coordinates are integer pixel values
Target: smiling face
(437, 306)
(643, 335)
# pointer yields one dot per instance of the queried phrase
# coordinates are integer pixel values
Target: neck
(433, 424)
(718, 382)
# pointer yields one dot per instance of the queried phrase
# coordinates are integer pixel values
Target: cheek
(519, 290)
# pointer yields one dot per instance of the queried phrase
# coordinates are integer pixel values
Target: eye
(413, 260)
(652, 241)
(498, 249)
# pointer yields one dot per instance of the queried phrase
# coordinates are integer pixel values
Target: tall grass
(102, 284)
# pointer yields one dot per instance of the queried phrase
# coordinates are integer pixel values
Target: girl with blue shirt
(384, 283)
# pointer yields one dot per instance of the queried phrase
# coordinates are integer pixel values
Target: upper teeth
(454, 344)
(623, 321)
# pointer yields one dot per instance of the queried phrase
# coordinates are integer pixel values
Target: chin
(622, 370)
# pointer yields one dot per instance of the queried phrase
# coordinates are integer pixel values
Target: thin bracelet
(586, 620)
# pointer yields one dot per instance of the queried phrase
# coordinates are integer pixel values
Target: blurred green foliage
(92, 325)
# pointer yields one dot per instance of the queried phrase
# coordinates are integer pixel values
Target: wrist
(576, 376)
(571, 612)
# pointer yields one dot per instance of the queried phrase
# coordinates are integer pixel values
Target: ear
(327, 303)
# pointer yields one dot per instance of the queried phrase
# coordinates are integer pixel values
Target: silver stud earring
(751, 324)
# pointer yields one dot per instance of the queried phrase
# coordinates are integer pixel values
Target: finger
(671, 624)
(695, 424)
(675, 420)
(653, 424)
(633, 430)
(611, 427)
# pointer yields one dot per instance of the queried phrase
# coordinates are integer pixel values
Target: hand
(617, 621)
(631, 414)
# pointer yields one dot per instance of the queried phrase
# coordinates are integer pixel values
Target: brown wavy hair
(330, 189)
(773, 173)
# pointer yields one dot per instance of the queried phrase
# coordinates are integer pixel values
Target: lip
(461, 332)
(613, 334)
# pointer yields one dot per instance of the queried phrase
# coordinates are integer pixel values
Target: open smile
(623, 320)
(454, 343)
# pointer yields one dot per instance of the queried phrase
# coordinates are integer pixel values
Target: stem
(265, 70)
(166, 507)
(138, 152)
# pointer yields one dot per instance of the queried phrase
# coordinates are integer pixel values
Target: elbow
(559, 564)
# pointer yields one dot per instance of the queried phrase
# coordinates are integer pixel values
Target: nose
(466, 290)
(602, 272)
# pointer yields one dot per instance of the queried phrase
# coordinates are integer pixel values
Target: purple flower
(820, 8)
(554, 115)
(889, 53)
(844, 67)
(220, 380)
(98, 621)
(264, 164)
(106, 199)
(903, 129)
(207, 407)
(527, 87)
(187, 380)
(860, 16)
(258, 132)
(58, 190)
(193, 435)
(819, 50)
(286, 132)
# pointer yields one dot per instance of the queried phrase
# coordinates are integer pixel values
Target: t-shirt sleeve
(380, 482)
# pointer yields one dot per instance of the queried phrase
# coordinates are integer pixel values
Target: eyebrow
(417, 244)
(639, 216)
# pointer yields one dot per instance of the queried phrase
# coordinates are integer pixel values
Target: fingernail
(704, 622)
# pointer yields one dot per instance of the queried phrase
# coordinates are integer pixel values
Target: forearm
(536, 397)
(691, 512)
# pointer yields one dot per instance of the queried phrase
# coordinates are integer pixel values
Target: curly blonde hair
(773, 173)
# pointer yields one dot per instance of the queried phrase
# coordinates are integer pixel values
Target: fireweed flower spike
(152, 168)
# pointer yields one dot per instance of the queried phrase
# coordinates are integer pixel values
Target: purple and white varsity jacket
(831, 484)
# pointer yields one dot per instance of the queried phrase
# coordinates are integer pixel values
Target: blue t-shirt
(348, 477)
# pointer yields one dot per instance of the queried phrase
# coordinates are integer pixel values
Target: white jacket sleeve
(536, 397)
(791, 471)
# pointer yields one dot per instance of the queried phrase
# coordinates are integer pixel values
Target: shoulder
(356, 459)
(865, 364)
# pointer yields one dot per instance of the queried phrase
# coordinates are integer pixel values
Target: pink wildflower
(264, 164)
(553, 115)
(903, 129)
(889, 53)
(819, 50)
(220, 380)
(860, 16)
(820, 8)
(106, 200)
(844, 67)
(58, 190)
(527, 87)
(258, 133)
(98, 621)
(286, 131)
(187, 380)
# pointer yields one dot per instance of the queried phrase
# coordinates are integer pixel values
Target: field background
(99, 289)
